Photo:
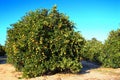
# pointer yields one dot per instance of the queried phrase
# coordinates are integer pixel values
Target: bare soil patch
(90, 72)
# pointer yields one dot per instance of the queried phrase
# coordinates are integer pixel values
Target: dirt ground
(89, 72)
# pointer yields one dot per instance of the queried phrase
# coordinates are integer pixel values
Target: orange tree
(111, 50)
(92, 50)
(44, 42)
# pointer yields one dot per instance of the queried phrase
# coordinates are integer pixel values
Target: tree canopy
(111, 50)
(43, 42)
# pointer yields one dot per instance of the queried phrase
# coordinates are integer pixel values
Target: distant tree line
(106, 54)
(2, 50)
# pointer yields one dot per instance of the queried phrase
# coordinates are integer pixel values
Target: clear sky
(93, 18)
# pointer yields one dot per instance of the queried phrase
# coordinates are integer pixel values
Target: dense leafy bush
(92, 50)
(44, 42)
(111, 50)
(2, 50)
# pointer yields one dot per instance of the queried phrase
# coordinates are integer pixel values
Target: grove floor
(89, 72)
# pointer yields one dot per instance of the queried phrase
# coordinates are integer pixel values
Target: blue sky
(93, 18)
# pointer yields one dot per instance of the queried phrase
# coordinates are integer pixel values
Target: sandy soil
(91, 72)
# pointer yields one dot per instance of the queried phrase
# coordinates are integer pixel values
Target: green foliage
(44, 42)
(107, 54)
(92, 50)
(111, 50)
(2, 50)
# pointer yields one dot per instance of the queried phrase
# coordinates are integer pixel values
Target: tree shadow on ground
(3, 59)
(87, 65)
